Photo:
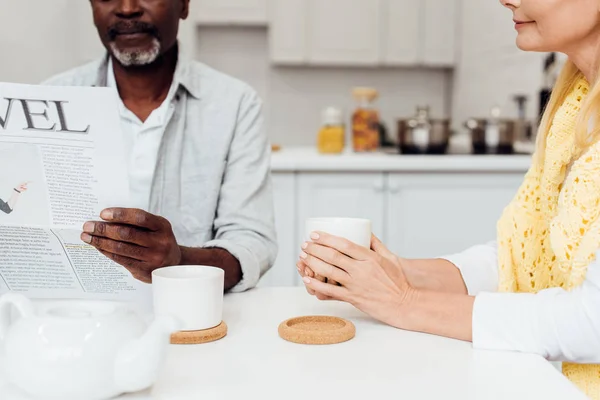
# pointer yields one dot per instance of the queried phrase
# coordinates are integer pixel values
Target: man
(199, 157)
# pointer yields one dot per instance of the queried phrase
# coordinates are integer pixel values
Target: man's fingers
(134, 267)
(135, 217)
(128, 250)
(118, 232)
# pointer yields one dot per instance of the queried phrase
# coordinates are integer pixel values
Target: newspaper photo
(61, 163)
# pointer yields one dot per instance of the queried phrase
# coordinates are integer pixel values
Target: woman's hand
(371, 280)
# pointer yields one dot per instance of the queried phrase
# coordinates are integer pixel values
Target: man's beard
(137, 58)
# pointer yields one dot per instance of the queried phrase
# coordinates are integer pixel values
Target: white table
(252, 362)
(381, 362)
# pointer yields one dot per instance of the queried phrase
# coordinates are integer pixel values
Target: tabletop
(252, 362)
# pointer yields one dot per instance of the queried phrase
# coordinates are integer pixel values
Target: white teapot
(75, 349)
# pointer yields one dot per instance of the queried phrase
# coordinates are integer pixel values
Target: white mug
(353, 229)
(192, 293)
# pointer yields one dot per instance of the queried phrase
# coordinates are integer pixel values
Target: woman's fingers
(344, 246)
(327, 291)
(330, 256)
(378, 247)
(305, 270)
(324, 268)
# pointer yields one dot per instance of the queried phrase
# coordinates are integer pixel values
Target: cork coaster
(317, 330)
(199, 337)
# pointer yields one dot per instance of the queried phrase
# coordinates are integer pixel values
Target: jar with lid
(365, 121)
(331, 138)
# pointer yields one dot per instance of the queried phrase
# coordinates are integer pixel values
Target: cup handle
(23, 305)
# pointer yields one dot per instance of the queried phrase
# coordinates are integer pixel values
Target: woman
(9, 206)
(548, 237)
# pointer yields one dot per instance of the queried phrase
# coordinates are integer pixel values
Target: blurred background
(456, 56)
(367, 104)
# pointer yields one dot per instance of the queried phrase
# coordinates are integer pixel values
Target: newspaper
(61, 163)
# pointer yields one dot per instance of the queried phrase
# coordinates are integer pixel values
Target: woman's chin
(526, 44)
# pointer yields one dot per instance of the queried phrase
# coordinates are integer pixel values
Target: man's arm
(214, 257)
(245, 222)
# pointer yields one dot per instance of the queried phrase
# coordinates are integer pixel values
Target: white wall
(39, 38)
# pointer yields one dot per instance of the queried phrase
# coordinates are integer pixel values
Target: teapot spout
(138, 363)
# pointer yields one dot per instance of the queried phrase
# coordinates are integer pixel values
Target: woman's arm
(12, 201)
(556, 324)
(472, 271)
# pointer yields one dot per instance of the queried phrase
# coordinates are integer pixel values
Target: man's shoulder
(216, 84)
(84, 75)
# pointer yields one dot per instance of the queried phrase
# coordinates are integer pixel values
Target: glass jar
(331, 138)
(365, 121)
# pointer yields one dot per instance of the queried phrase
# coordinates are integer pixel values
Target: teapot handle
(23, 305)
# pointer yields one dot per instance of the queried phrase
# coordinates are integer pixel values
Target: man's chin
(136, 56)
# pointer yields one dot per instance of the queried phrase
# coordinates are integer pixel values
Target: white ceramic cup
(353, 229)
(192, 294)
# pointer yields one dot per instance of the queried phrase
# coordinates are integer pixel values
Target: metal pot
(492, 136)
(422, 135)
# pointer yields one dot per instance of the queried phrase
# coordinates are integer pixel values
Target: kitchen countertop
(252, 362)
(291, 159)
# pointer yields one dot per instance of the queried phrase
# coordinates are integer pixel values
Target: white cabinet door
(430, 215)
(353, 195)
(284, 271)
(344, 32)
(439, 32)
(401, 31)
(234, 12)
(288, 31)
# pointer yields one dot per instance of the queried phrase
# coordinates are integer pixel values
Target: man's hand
(139, 241)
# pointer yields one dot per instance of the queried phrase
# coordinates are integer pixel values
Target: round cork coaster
(199, 337)
(317, 330)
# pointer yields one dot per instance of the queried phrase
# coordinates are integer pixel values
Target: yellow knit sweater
(550, 232)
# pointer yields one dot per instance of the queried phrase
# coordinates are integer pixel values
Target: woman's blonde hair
(584, 136)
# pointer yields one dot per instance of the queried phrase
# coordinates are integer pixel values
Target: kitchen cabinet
(402, 32)
(431, 215)
(284, 272)
(230, 12)
(363, 32)
(439, 39)
(344, 32)
(288, 26)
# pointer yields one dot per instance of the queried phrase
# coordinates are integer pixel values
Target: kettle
(73, 350)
